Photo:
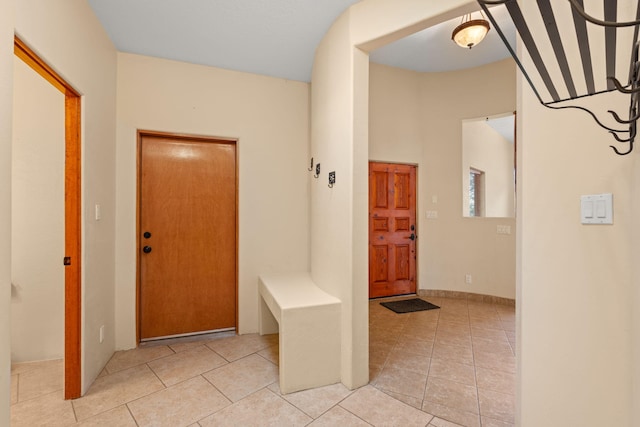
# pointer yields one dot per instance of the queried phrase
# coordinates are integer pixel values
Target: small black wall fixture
(332, 179)
(310, 168)
(317, 174)
(570, 84)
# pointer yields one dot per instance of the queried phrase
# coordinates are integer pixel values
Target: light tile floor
(441, 368)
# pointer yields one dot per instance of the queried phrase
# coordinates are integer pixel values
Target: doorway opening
(72, 216)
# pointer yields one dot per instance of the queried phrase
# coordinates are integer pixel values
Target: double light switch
(597, 209)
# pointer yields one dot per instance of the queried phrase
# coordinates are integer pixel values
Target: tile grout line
(109, 372)
(512, 345)
(424, 394)
(126, 405)
(156, 375)
(286, 402)
(231, 402)
(219, 391)
(106, 368)
(475, 371)
(437, 325)
(386, 360)
(73, 408)
(345, 398)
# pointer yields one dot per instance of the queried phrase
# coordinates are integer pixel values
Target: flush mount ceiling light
(470, 32)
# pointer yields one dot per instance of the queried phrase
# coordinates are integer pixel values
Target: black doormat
(409, 305)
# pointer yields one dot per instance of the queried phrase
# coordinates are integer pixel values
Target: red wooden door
(392, 229)
(187, 236)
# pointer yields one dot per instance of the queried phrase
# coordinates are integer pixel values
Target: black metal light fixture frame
(580, 19)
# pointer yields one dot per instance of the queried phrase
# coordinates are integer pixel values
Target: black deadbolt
(146, 249)
(146, 234)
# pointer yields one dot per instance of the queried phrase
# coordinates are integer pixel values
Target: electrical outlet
(468, 279)
(503, 229)
(101, 334)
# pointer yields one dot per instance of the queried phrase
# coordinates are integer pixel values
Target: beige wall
(270, 119)
(576, 295)
(6, 112)
(579, 352)
(339, 138)
(573, 282)
(37, 275)
(331, 215)
(414, 119)
(69, 37)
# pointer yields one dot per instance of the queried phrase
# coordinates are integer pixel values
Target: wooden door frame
(72, 222)
(415, 165)
(186, 138)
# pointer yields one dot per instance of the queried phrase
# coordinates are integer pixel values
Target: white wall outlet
(434, 199)
(98, 212)
(432, 214)
(101, 334)
(468, 279)
(503, 229)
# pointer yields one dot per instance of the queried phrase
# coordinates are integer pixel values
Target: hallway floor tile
(439, 368)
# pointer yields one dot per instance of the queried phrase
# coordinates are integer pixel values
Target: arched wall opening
(580, 277)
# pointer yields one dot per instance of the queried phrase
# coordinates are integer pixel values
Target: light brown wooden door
(392, 229)
(187, 235)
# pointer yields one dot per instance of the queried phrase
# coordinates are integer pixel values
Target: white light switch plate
(596, 209)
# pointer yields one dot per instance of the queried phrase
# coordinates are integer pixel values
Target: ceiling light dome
(470, 32)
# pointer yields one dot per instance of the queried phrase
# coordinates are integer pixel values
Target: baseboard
(466, 296)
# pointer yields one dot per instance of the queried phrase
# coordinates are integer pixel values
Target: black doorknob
(146, 234)
(146, 249)
(412, 237)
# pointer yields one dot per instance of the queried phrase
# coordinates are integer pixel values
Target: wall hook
(557, 89)
(317, 174)
(332, 179)
(311, 167)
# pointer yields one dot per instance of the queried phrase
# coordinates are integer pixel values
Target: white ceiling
(504, 125)
(432, 50)
(275, 38)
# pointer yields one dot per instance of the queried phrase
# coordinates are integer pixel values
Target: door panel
(392, 229)
(187, 236)
(378, 261)
(403, 254)
(401, 190)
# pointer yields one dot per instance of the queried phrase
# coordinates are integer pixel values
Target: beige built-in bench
(308, 320)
